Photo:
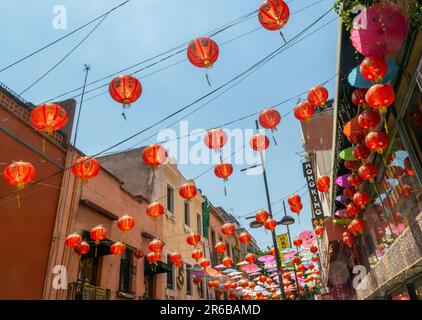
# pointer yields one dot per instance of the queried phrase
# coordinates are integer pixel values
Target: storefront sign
(310, 180)
(283, 241)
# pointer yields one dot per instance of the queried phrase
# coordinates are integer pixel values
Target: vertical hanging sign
(318, 215)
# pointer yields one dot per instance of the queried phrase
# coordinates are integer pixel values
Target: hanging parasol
(251, 267)
(346, 154)
(267, 258)
(342, 181)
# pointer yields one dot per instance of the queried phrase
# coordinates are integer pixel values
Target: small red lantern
(259, 142)
(215, 138)
(270, 281)
(175, 257)
(351, 165)
(223, 170)
(156, 245)
(360, 199)
(373, 68)
(155, 209)
(193, 239)
(380, 96)
(203, 52)
(313, 249)
(361, 152)
(405, 190)
(355, 137)
(358, 97)
(153, 257)
(227, 262)
(271, 252)
(323, 183)
(368, 172)
(262, 279)
(139, 254)
(353, 209)
(154, 156)
(98, 233)
(349, 192)
(376, 141)
(261, 216)
(228, 229)
(354, 179)
(197, 254)
(348, 239)
(19, 174)
(311, 266)
(252, 285)
(49, 117)
(301, 268)
(73, 240)
(125, 223)
(358, 225)
(220, 247)
(315, 259)
(369, 119)
(303, 111)
(117, 248)
(244, 237)
(296, 208)
(196, 280)
(318, 96)
(297, 260)
(269, 119)
(297, 242)
(125, 90)
(319, 230)
(227, 285)
(250, 257)
(294, 200)
(82, 248)
(270, 224)
(205, 263)
(273, 14)
(85, 168)
(188, 190)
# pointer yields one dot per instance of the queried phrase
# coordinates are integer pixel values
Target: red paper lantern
(408, 167)
(313, 249)
(98, 233)
(296, 208)
(215, 138)
(323, 183)
(349, 192)
(360, 199)
(368, 172)
(349, 240)
(270, 224)
(227, 285)
(319, 230)
(358, 97)
(250, 257)
(273, 14)
(310, 267)
(196, 280)
(197, 254)
(205, 263)
(315, 259)
(153, 257)
(369, 119)
(19, 174)
(223, 170)
(85, 168)
(262, 279)
(156, 245)
(259, 142)
(297, 242)
(296, 260)
(354, 179)
(271, 252)
(193, 239)
(373, 68)
(228, 229)
(351, 165)
(252, 285)
(303, 111)
(139, 254)
(269, 119)
(358, 225)
(203, 52)
(361, 152)
(294, 200)
(154, 155)
(220, 247)
(188, 190)
(318, 96)
(355, 137)
(73, 240)
(353, 209)
(227, 262)
(301, 268)
(376, 141)
(155, 209)
(49, 117)
(261, 216)
(125, 223)
(125, 90)
(380, 96)
(82, 248)
(117, 248)
(244, 237)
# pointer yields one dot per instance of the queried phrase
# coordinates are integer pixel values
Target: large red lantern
(203, 52)
(82, 248)
(125, 90)
(269, 119)
(85, 168)
(117, 248)
(261, 216)
(227, 262)
(380, 96)
(368, 172)
(154, 155)
(205, 263)
(220, 247)
(360, 199)
(358, 97)
(125, 223)
(73, 240)
(369, 119)
(354, 179)
(49, 117)
(348, 239)
(349, 192)
(19, 174)
(353, 210)
(215, 138)
(273, 14)
(228, 229)
(175, 258)
(361, 152)
(358, 225)
(373, 68)
(323, 183)
(351, 165)
(98, 233)
(303, 111)
(250, 258)
(296, 208)
(318, 96)
(156, 245)
(244, 237)
(376, 141)
(223, 170)
(259, 142)
(297, 242)
(197, 254)
(153, 257)
(270, 224)
(188, 190)
(193, 239)
(294, 200)
(155, 209)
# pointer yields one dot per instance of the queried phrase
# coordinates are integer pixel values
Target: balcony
(86, 291)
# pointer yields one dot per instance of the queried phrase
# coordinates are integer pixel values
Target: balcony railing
(86, 291)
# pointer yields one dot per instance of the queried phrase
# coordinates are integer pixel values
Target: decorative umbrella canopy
(269, 266)
(379, 29)
(288, 254)
(242, 263)
(341, 213)
(267, 258)
(231, 272)
(341, 198)
(251, 267)
(346, 154)
(272, 275)
(236, 277)
(342, 181)
(308, 239)
(356, 80)
(198, 273)
(254, 274)
(220, 266)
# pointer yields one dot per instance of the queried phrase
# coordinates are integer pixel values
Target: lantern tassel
(275, 141)
(208, 79)
(282, 36)
(18, 200)
(124, 115)
(43, 144)
(225, 190)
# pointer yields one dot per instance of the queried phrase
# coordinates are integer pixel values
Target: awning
(160, 267)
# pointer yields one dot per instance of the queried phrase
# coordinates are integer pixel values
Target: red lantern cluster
(295, 203)
(323, 184)
(273, 14)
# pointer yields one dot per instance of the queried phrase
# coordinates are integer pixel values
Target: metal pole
(86, 69)
(277, 253)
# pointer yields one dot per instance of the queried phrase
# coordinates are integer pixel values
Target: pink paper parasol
(267, 258)
(379, 29)
(342, 181)
(342, 213)
(251, 267)
(289, 255)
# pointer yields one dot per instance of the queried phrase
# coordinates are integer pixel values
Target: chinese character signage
(283, 241)
(315, 201)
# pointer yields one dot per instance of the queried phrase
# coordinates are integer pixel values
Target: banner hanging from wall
(308, 172)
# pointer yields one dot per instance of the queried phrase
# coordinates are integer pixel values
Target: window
(188, 280)
(170, 284)
(125, 284)
(187, 214)
(199, 223)
(213, 238)
(170, 199)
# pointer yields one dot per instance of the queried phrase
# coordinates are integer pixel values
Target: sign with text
(315, 200)
(283, 241)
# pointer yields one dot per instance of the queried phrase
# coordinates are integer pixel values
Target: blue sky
(144, 28)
